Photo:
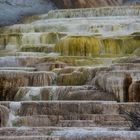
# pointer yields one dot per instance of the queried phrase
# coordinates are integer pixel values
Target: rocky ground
(71, 75)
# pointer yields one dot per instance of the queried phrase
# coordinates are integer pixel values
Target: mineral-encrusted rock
(4, 116)
(11, 80)
(114, 82)
(134, 92)
(97, 46)
(62, 93)
(74, 78)
(57, 77)
(91, 3)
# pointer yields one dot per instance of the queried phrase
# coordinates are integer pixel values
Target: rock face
(70, 75)
(94, 46)
(11, 80)
(92, 3)
(134, 92)
(4, 116)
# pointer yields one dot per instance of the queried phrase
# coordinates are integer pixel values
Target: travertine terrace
(69, 74)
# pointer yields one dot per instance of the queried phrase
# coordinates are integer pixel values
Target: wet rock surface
(64, 76)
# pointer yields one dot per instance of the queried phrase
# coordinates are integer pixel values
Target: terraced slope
(14, 11)
(70, 74)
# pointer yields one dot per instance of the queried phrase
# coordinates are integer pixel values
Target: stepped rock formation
(70, 74)
(13, 11)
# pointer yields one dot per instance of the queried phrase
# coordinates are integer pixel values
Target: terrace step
(70, 108)
(62, 93)
(91, 123)
(47, 48)
(65, 134)
(18, 68)
(69, 121)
